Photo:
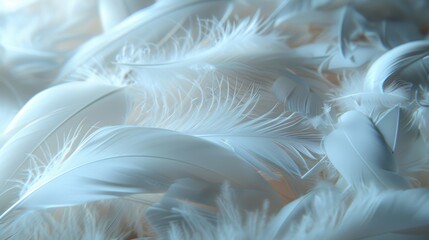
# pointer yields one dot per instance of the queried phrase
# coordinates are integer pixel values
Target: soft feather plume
(47, 119)
(111, 219)
(232, 118)
(162, 20)
(314, 112)
(354, 94)
(241, 51)
(129, 160)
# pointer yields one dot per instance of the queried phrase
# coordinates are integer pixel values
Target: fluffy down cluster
(214, 119)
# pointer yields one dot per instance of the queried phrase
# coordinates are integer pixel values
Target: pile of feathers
(214, 119)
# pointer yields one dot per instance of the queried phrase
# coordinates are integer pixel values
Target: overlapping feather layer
(214, 119)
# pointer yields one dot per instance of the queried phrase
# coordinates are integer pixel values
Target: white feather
(360, 153)
(114, 219)
(161, 20)
(354, 94)
(406, 63)
(244, 51)
(235, 90)
(48, 119)
(240, 121)
(401, 132)
(325, 215)
(120, 161)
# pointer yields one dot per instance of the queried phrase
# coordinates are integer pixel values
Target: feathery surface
(230, 118)
(48, 120)
(114, 161)
(161, 19)
(406, 63)
(325, 214)
(361, 154)
(214, 119)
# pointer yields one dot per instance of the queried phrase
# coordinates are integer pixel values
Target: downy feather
(194, 206)
(369, 213)
(161, 20)
(374, 213)
(219, 90)
(328, 214)
(355, 94)
(113, 219)
(244, 51)
(248, 50)
(124, 160)
(48, 118)
(238, 119)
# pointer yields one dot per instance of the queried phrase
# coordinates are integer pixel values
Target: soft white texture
(124, 119)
